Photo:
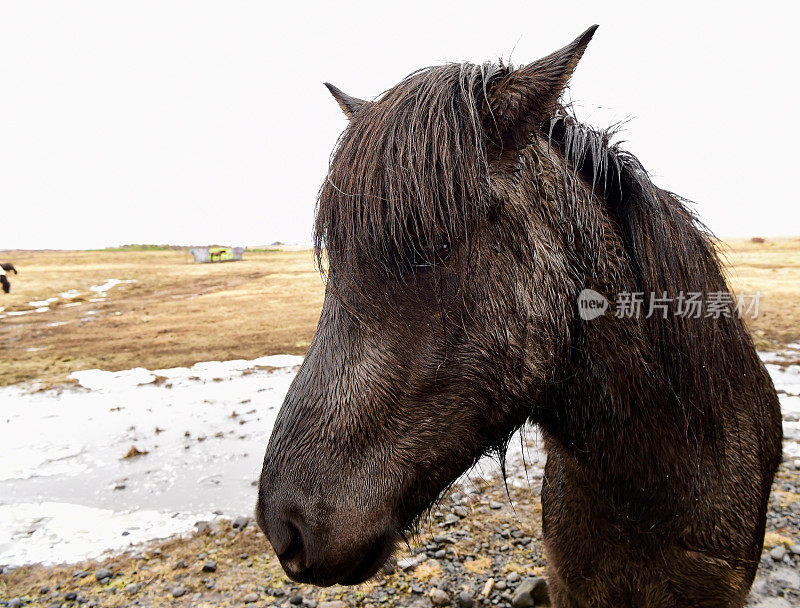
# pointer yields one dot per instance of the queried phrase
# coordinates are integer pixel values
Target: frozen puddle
(67, 493)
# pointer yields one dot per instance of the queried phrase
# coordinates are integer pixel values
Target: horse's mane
(411, 172)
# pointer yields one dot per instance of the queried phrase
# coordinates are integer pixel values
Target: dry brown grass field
(178, 312)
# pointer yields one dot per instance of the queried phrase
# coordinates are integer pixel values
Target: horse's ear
(530, 94)
(349, 105)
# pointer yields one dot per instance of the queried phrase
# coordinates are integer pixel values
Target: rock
(250, 598)
(795, 549)
(530, 592)
(465, 600)
(14, 603)
(71, 596)
(102, 573)
(778, 553)
(451, 519)
(487, 588)
(416, 588)
(439, 597)
(296, 600)
(495, 505)
(178, 591)
(461, 511)
(181, 563)
(132, 588)
(772, 602)
(501, 585)
(444, 540)
(440, 554)
(408, 563)
(332, 604)
(513, 577)
(786, 578)
(240, 523)
(210, 566)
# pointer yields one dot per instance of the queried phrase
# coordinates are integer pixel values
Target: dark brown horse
(464, 212)
(4, 282)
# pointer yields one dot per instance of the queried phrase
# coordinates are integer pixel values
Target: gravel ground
(476, 550)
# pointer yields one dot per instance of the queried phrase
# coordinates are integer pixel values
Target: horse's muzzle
(318, 553)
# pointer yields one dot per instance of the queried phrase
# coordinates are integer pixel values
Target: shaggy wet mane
(409, 176)
(409, 173)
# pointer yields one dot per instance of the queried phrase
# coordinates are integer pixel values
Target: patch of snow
(18, 313)
(204, 427)
(71, 304)
(41, 303)
(69, 295)
(109, 284)
(786, 379)
(55, 532)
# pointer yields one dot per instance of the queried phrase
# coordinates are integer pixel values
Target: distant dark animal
(464, 212)
(4, 283)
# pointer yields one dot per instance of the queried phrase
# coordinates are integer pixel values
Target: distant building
(217, 254)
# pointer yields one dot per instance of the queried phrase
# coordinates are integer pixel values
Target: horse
(465, 212)
(4, 283)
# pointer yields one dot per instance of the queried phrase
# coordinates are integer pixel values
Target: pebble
(181, 563)
(296, 600)
(530, 592)
(495, 505)
(786, 577)
(132, 588)
(439, 597)
(487, 588)
(778, 553)
(240, 523)
(513, 577)
(500, 585)
(250, 598)
(178, 591)
(332, 604)
(465, 600)
(210, 566)
(102, 573)
(71, 596)
(14, 603)
(407, 563)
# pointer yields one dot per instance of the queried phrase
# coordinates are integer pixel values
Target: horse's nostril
(294, 548)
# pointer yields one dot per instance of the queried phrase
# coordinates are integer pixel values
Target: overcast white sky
(197, 122)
